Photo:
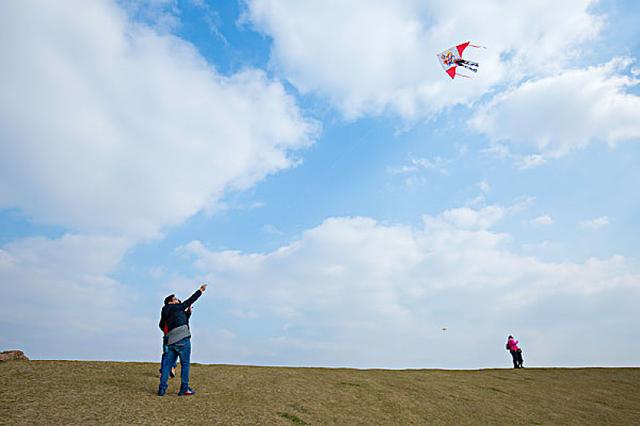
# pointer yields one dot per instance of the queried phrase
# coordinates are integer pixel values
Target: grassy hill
(68, 392)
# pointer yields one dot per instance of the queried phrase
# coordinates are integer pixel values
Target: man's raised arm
(190, 301)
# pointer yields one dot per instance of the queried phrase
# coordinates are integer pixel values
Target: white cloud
(540, 246)
(542, 220)
(438, 164)
(480, 199)
(353, 290)
(523, 162)
(596, 223)
(529, 161)
(417, 165)
(484, 186)
(110, 127)
(469, 218)
(376, 56)
(157, 272)
(162, 14)
(567, 111)
(63, 302)
(414, 172)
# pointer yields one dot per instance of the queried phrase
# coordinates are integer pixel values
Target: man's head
(171, 300)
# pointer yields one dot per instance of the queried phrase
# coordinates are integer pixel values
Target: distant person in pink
(515, 351)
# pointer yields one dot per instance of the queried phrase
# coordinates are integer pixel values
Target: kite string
(351, 147)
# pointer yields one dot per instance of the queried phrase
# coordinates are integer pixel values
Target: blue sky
(343, 198)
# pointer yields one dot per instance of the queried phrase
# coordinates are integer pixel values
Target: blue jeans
(182, 350)
(165, 351)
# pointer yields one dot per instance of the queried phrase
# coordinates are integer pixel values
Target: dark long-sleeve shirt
(174, 318)
(165, 328)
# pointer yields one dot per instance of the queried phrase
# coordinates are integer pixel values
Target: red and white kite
(451, 58)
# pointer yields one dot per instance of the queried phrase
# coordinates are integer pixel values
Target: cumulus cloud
(62, 302)
(355, 290)
(110, 127)
(563, 112)
(596, 223)
(376, 56)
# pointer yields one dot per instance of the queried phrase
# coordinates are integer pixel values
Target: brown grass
(68, 392)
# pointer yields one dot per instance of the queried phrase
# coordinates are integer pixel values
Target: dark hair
(169, 298)
(510, 337)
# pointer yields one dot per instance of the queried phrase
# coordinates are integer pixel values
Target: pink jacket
(512, 345)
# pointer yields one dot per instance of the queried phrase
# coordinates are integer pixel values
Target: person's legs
(172, 373)
(165, 349)
(164, 352)
(185, 363)
(514, 355)
(168, 360)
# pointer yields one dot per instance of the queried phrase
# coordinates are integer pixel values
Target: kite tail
(476, 46)
(469, 65)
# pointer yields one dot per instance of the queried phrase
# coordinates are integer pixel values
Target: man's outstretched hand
(203, 287)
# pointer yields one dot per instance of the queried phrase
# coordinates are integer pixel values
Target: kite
(451, 59)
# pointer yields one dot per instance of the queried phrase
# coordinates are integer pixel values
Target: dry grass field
(74, 392)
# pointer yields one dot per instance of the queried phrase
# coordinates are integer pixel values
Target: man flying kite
(451, 58)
